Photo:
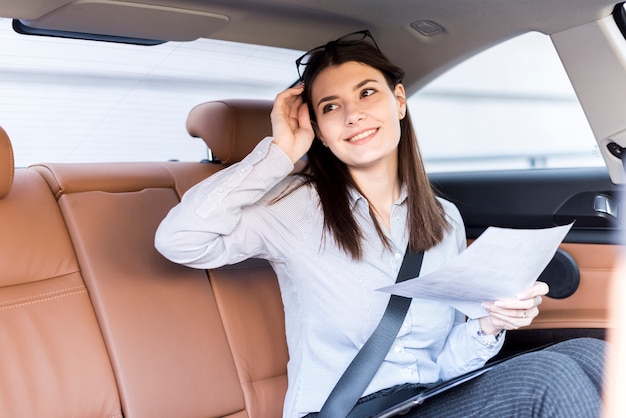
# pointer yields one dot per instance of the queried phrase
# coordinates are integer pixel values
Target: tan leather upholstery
(167, 327)
(231, 128)
(247, 294)
(6, 163)
(249, 301)
(53, 360)
(587, 308)
(159, 319)
(106, 177)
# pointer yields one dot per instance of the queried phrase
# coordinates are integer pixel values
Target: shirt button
(398, 349)
(220, 190)
(397, 256)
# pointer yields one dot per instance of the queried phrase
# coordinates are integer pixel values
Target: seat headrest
(7, 164)
(231, 128)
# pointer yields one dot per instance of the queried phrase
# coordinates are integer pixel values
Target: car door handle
(590, 209)
(603, 204)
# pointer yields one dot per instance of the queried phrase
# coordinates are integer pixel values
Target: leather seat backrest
(249, 301)
(160, 320)
(182, 343)
(53, 359)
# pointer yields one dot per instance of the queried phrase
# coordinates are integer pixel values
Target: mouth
(362, 135)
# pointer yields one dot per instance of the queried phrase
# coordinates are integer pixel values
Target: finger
(285, 110)
(525, 313)
(292, 92)
(518, 303)
(502, 322)
(519, 311)
(294, 108)
(516, 311)
(284, 100)
(514, 319)
(538, 289)
(304, 118)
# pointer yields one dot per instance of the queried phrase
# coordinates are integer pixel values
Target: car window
(509, 107)
(84, 101)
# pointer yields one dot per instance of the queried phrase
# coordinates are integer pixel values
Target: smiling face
(358, 115)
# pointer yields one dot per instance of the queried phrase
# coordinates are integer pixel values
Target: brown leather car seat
(181, 342)
(247, 293)
(53, 361)
(181, 345)
(159, 319)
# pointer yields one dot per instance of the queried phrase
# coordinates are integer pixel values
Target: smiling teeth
(362, 135)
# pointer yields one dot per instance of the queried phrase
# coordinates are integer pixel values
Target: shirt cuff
(488, 340)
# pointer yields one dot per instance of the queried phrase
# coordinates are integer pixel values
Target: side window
(510, 107)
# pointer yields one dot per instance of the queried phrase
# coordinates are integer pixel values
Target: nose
(354, 114)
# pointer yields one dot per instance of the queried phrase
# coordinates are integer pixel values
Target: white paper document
(497, 265)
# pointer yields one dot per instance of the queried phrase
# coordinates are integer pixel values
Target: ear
(401, 99)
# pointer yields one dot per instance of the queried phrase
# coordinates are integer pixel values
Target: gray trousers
(563, 380)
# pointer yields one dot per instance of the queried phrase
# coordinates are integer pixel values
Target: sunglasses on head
(346, 40)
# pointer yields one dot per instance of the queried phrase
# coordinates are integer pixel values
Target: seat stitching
(56, 294)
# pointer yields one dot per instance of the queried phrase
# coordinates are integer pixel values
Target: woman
(336, 232)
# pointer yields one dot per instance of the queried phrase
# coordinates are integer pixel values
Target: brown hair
(331, 178)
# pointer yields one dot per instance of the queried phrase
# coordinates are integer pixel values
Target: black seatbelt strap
(366, 363)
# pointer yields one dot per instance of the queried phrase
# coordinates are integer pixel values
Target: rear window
(84, 101)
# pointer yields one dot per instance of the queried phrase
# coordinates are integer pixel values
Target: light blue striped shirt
(331, 302)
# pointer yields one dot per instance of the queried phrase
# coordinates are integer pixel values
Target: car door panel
(544, 198)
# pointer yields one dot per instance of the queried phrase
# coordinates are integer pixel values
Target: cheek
(325, 130)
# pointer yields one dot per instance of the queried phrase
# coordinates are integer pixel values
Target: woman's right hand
(291, 124)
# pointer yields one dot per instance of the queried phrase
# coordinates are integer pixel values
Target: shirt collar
(356, 197)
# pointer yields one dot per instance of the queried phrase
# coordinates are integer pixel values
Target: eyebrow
(358, 86)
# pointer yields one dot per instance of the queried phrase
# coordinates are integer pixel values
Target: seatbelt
(367, 361)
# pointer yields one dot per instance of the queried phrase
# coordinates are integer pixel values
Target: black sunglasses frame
(349, 39)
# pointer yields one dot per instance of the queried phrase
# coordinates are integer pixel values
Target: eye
(329, 108)
(367, 92)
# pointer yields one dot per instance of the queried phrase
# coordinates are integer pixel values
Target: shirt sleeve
(215, 223)
(467, 348)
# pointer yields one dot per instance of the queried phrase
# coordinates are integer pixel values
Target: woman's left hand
(513, 313)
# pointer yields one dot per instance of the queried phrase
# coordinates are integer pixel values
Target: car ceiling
(468, 25)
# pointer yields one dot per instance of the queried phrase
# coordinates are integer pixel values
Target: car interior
(94, 322)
